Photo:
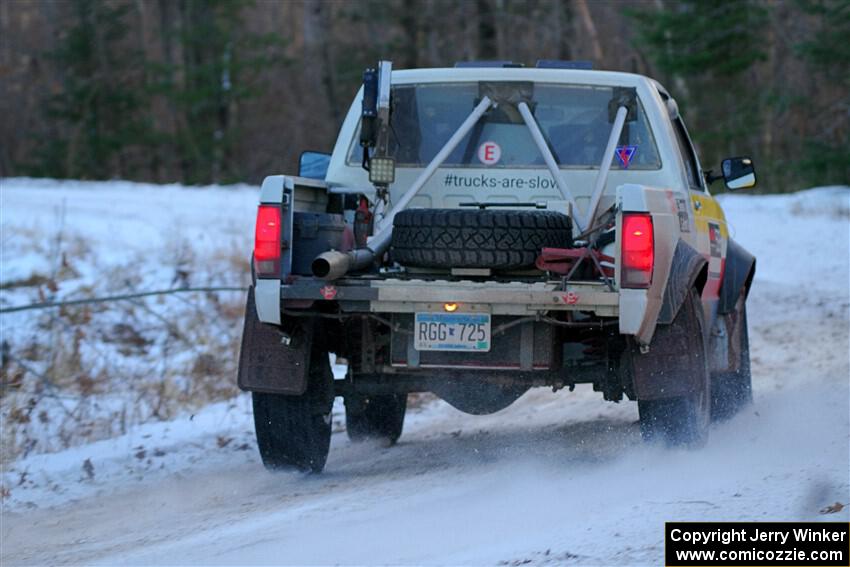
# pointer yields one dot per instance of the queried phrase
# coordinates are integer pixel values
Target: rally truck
(488, 228)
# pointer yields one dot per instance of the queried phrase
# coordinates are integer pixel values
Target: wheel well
(701, 278)
(687, 269)
(749, 281)
(738, 275)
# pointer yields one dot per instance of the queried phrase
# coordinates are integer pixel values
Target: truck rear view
(479, 231)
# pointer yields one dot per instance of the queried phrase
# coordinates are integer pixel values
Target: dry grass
(839, 212)
(76, 374)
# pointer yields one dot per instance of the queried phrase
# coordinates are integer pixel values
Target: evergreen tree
(704, 50)
(97, 114)
(218, 70)
(826, 155)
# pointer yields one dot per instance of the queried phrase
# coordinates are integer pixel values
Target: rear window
(572, 118)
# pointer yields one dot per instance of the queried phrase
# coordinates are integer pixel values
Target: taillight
(637, 256)
(267, 241)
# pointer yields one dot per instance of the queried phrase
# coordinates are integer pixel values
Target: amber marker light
(450, 307)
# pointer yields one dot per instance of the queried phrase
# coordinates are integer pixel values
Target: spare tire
(456, 238)
(478, 397)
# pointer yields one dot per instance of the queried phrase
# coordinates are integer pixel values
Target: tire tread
(457, 238)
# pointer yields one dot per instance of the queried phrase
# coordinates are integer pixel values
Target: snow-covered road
(554, 479)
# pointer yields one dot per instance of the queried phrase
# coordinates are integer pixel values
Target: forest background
(223, 91)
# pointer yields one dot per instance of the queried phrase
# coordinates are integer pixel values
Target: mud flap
(266, 362)
(669, 369)
(653, 379)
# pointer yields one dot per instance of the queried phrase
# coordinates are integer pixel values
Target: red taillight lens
(267, 241)
(637, 256)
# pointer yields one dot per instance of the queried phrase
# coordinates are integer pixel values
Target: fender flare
(738, 274)
(687, 269)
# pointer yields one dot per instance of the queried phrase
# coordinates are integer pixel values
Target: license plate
(452, 331)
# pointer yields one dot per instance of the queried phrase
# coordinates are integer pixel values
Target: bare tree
(586, 22)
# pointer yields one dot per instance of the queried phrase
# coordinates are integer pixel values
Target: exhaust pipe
(333, 264)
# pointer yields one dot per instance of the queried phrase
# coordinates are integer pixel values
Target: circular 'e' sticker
(489, 153)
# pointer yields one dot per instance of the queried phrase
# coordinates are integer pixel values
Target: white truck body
(680, 210)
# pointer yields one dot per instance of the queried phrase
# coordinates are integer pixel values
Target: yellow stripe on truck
(708, 210)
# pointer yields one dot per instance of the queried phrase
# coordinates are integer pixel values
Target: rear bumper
(526, 343)
(378, 295)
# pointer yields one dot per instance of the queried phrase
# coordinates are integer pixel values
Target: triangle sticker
(625, 154)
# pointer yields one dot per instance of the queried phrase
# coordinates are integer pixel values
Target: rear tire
(378, 417)
(294, 432)
(732, 389)
(674, 421)
(680, 420)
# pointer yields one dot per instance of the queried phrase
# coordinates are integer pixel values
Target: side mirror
(313, 165)
(738, 173)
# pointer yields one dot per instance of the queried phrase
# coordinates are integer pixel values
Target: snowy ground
(554, 479)
(88, 372)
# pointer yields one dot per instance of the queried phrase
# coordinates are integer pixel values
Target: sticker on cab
(626, 153)
(489, 153)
